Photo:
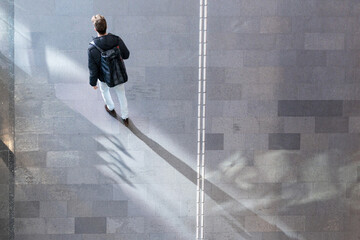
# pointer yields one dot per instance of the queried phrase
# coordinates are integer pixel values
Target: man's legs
(120, 91)
(104, 89)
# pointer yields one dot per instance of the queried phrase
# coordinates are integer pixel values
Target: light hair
(99, 23)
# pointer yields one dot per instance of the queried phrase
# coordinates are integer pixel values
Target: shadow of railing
(213, 191)
(7, 179)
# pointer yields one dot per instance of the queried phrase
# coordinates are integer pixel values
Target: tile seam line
(11, 152)
(200, 195)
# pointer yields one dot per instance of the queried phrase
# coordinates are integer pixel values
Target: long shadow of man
(214, 192)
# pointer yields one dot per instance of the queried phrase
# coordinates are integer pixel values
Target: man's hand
(95, 87)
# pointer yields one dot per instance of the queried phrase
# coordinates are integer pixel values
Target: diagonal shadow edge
(191, 175)
(8, 83)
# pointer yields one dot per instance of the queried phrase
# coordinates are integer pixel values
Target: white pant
(120, 92)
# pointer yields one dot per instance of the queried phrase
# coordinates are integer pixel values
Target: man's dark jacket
(106, 42)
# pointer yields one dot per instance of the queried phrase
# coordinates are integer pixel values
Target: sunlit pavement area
(282, 122)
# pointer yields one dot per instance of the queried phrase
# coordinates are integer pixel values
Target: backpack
(112, 66)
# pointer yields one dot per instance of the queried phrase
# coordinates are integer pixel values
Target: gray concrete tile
(299, 125)
(224, 92)
(258, 224)
(51, 109)
(4, 175)
(286, 141)
(82, 175)
(216, 74)
(67, 8)
(290, 41)
(29, 209)
(26, 142)
(37, 125)
(346, 142)
(222, 125)
(171, 74)
(62, 159)
(258, 91)
(4, 226)
(28, 176)
(163, 24)
(279, 236)
(229, 58)
(311, 58)
(258, 8)
(164, 7)
(324, 41)
(110, 209)
(232, 108)
(270, 58)
(54, 142)
(214, 108)
(109, 8)
(296, 8)
(98, 236)
(351, 108)
(318, 75)
(42, 7)
(48, 237)
(271, 74)
(94, 192)
(4, 157)
(30, 226)
(188, 92)
(263, 41)
(275, 25)
(331, 125)
(258, 108)
(183, 58)
(90, 225)
(146, 57)
(4, 209)
(28, 108)
(342, 58)
(333, 8)
(214, 141)
(52, 176)
(222, 224)
(240, 75)
(320, 223)
(256, 141)
(332, 207)
(34, 92)
(126, 225)
(352, 42)
(43, 192)
(310, 108)
(60, 225)
(220, 10)
(53, 209)
(271, 125)
(79, 208)
(233, 24)
(5, 236)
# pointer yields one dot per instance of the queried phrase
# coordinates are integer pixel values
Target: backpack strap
(93, 43)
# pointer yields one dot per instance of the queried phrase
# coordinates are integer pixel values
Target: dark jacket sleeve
(93, 69)
(124, 50)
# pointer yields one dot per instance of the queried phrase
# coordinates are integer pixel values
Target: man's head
(99, 24)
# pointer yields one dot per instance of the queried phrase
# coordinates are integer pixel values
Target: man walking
(106, 41)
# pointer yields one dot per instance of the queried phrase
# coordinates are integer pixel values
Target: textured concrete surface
(289, 162)
(282, 113)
